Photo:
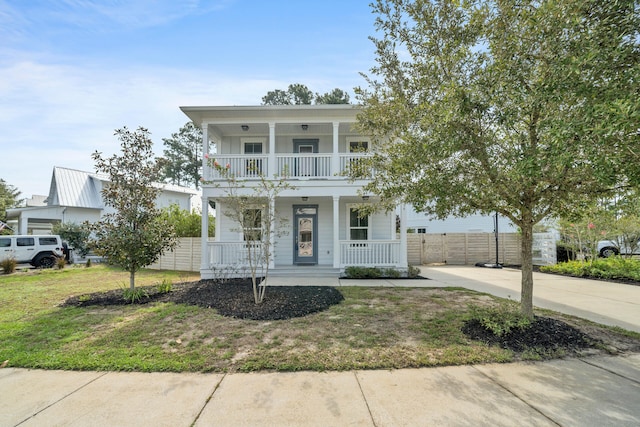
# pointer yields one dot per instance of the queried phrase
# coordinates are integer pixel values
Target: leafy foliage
(136, 234)
(528, 110)
(357, 272)
(500, 320)
(182, 161)
(618, 268)
(299, 94)
(187, 224)
(8, 265)
(9, 198)
(77, 235)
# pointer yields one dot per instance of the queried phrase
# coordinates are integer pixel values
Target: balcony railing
(316, 165)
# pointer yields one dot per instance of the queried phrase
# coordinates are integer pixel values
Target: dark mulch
(233, 299)
(544, 334)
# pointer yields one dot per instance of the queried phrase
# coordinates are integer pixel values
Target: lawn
(372, 328)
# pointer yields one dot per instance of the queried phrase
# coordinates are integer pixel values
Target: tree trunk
(526, 254)
(132, 279)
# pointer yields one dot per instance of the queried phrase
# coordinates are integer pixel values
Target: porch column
(271, 169)
(272, 233)
(204, 233)
(336, 231)
(335, 158)
(403, 236)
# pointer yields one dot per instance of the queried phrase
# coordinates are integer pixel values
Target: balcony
(296, 166)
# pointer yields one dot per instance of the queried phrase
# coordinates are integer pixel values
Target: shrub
(164, 287)
(413, 271)
(500, 320)
(355, 272)
(391, 273)
(602, 268)
(88, 263)
(60, 263)
(8, 265)
(134, 295)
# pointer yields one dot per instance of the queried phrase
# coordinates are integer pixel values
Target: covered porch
(317, 235)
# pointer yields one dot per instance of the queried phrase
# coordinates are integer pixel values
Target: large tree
(299, 94)
(9, 198)
(136, 234)
(525, 108)
(182, 161)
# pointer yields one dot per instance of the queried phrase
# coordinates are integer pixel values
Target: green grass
(373, 328)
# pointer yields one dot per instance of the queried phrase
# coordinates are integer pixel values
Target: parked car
(38, 250)
(607, 248)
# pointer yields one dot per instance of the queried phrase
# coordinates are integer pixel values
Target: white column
(272, 151)
(335, 158)
(204, 234)
(403, 236)
(336, 231)
(272, 233)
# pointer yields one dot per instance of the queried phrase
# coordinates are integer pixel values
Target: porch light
(305, 127)
(305, 198)
(245, 127)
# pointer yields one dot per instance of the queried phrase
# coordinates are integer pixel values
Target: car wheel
(607, 252)
(46, 262)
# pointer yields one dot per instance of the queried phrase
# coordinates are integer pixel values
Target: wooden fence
(462, 248)
(449, 248)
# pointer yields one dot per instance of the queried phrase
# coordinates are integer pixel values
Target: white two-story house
(314, 144)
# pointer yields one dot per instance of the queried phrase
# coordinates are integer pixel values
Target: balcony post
(336, 231)
(204, 239)
(271, 163)
(335, 158)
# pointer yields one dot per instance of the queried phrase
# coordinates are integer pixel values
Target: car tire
(609, 251)
(47, 261)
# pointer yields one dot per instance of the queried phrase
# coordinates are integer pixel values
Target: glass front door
(305, 232)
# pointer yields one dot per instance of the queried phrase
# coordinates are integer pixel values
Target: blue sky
(73, 71)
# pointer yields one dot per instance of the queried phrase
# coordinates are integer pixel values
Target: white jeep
(38, 250)
(607, 248)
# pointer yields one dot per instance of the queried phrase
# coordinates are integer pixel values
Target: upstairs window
(356, 146)
(358, 226)
(252, 224)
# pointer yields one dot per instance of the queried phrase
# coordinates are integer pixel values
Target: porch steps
(304, 271)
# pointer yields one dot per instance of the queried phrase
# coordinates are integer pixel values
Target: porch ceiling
(286, 129)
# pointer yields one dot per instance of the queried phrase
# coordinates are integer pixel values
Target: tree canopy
(523, 108)
(136, 234)
(182, 161)
(299, 94)
(9, 198)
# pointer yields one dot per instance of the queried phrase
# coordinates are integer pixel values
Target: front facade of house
(318, 222)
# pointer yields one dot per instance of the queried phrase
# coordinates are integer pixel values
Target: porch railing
(232, 254)
(370, 253)
(316, 165)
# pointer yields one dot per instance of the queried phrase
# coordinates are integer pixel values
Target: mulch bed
(544, 334)
(233, 299)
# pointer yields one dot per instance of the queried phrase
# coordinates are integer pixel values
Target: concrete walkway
(598, 391)
(591, 392)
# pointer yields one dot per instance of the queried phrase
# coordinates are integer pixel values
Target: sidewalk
(590, 392)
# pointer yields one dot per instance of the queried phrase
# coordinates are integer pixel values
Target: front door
(305, 231)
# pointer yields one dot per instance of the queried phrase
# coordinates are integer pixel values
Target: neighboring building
(75, 197)
(315, 144)
(421, 223)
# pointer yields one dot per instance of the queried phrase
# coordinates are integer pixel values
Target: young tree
(182, 159)
(185, 223)
(9, 198)
(253, 209)
(521, 108)
(136, 234)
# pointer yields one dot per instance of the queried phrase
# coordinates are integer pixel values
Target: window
(422, 230)
(252, 224)
(48, 241)
(356, 146)
(25, 241)
(358, 226)
(5, 243)
(253, 148)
